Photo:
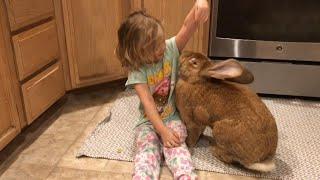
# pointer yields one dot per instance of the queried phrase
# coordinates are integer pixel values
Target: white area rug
(298, 153)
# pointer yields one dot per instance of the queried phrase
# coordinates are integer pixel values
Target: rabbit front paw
(191, 141)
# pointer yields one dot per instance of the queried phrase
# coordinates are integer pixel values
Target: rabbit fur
(214, 94)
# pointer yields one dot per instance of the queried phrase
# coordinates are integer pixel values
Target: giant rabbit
(214, 94)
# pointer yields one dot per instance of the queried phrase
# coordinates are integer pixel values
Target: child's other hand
(201, 11)
(170, 139)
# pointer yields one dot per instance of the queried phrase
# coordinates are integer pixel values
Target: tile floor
(47, 148)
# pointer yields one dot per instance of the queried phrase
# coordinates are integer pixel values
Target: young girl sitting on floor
(152, 63)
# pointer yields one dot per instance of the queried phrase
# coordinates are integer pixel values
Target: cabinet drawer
(36, 48)
(42, 91)
(26, 12)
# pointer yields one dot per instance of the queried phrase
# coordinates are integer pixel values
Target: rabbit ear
(225, 69)
(230, 70)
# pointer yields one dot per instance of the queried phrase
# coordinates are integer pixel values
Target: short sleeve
(172, 47)
(136, 77)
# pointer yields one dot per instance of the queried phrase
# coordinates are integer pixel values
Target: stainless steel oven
(272, 29)
(278, 40)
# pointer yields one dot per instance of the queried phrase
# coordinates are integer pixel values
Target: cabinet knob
(279, 48)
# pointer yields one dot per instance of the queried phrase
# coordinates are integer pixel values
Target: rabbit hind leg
(222, 155)
(232, 136)
(226, 133)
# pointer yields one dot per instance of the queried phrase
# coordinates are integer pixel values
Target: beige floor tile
(119, 167)
(213, 175)
(69, 160)
(63, 129)
(67, 173)
(46, 150)
(26, 171)
(165, 173)
(114, 176)
(70, 127)
(202, 175)
(79, 114)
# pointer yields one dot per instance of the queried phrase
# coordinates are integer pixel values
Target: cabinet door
(9, 122)
(91, 35)
(172, 15)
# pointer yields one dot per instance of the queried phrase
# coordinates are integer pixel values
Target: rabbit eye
(193, 62)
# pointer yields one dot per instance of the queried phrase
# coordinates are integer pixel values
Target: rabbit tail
(264, 166)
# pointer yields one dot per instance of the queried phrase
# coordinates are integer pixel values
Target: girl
(152, 62)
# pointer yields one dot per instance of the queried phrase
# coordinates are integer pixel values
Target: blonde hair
(138, 38)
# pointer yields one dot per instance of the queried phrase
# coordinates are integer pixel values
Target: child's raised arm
(198, 14)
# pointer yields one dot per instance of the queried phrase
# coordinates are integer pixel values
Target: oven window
(270, 20)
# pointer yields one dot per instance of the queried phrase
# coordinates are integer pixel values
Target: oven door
(231, 37)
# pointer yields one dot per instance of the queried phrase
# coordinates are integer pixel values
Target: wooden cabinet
(9, 120)
(33, 50)
(172, 15)
(91, 36)
(26, 12)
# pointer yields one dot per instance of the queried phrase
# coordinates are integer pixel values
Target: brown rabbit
(212, 94)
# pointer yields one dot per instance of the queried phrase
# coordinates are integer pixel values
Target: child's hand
(202, 11)
(170, 138)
